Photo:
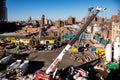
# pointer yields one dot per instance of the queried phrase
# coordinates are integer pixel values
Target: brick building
(97, 20)
(71, 20)
(59, 23)
(115, 18)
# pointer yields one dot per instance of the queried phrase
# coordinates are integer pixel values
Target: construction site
(55, 54)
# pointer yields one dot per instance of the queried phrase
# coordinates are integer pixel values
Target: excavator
(45, 74)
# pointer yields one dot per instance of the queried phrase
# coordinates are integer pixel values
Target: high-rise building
(3, 11)
(42, 22)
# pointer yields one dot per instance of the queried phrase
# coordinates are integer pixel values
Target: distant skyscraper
(3, 11)
(42, 22)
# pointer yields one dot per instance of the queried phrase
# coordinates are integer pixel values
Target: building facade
(59, 23)
(115, 30)
(115, 18)
(3, 11)
(71, 20)
(96, 20)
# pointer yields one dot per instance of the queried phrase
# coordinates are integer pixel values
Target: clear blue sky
(57, 9)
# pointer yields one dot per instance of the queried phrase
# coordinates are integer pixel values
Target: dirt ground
(43, 59)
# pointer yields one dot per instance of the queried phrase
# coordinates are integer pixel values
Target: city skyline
(58, 9)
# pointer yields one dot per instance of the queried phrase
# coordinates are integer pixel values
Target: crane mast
(60, 56)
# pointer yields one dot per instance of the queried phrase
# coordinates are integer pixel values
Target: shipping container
(97, 38)
(113, 66)
(68, 36)
(103, 41)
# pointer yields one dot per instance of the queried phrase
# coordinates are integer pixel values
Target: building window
(96, 19)
(118, 45)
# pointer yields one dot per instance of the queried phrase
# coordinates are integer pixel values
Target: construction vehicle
(50, 41)
(25, 41)
(50, 44)
(100, 52)
(11, 69)
(73, 49)
(9, 39)
(36, 44)
(5, 61)
(22, 68)
(45, 74)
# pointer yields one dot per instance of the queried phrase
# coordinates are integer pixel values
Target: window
(119, 26)
(118, 45)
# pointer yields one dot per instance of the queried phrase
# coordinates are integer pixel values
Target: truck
(45, 74)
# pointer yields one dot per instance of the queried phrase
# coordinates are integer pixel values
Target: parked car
(40, 47)
(10, 46)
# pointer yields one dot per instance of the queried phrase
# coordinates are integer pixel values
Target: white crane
(44, 76)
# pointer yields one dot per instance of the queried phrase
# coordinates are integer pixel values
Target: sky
(58, 9)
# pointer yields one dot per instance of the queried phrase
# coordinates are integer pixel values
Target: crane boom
(60, 56)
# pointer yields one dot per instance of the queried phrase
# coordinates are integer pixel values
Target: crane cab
(40, 75)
